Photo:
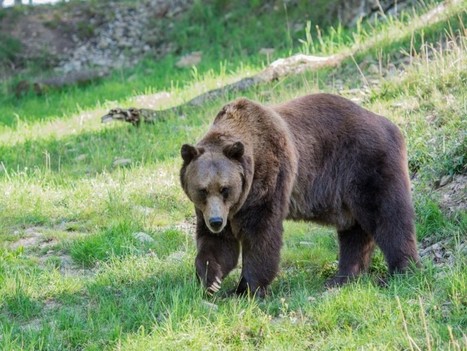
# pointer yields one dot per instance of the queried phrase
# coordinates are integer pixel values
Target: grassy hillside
(96, 235)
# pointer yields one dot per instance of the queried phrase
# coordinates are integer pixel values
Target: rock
(103, 43)
(144, 210)
(298, 27)
(350, 12)
(189, 60)
(373, 69)
(143, 237)
(81, 157)
(177, 256)
(123, 35)
(121, 162)
(266, 51)
(391, 70)
(444, 180)
(210, 305)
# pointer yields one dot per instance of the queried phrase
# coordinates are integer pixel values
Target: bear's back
(336, 141)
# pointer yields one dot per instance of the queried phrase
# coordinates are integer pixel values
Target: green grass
(75, 276)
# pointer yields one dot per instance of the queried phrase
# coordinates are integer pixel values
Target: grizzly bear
(318, 158)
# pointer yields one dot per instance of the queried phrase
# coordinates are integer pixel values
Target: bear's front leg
(217, 255)
(261, 246)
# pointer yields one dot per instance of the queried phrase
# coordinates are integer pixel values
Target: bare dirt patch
(453, 193)
(64, 263)
(36, 324)
(33, 237)
(441, 252)
(37, 38)
(35, 243)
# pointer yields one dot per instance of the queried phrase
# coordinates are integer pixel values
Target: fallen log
(280, 68)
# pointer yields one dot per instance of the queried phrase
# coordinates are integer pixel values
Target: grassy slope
(217, 30)
(86, 282)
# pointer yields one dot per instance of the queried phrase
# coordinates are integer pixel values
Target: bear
(319, 158)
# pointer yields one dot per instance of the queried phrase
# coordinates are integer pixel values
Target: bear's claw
(215, 286)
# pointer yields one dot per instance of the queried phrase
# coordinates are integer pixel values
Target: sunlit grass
(76, 275)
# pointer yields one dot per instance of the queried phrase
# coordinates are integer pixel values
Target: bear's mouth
(215, 231)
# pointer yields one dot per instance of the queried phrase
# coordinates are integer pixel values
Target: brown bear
(316, 158)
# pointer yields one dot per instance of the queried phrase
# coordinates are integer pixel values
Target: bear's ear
(241, 103)
(189, 152)
(234, 151)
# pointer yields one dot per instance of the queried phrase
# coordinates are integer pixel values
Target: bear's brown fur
(316, 158)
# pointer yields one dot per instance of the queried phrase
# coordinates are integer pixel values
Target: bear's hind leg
(355, 250)
(397, 241)
(391, 221)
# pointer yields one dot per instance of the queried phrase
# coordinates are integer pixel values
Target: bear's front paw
(209, 272)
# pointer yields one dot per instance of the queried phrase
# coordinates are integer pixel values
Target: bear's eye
(202, 193)
(224, 192)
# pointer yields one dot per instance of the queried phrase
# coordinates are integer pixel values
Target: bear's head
(213, 177)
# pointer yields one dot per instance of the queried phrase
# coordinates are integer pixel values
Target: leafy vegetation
(9, 47)
(97, 254)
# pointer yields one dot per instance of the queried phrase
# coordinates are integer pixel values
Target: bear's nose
(215, 222)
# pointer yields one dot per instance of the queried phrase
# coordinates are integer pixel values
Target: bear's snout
(215, 214)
